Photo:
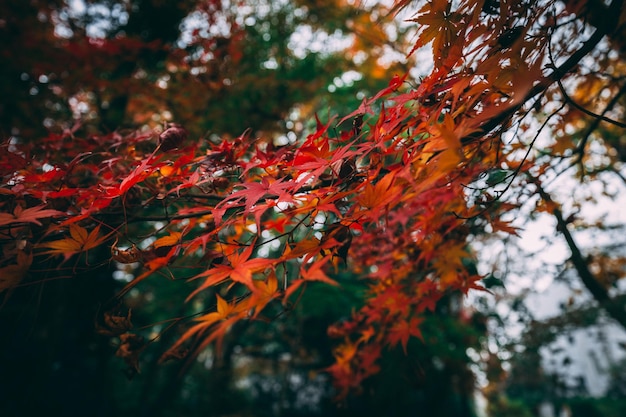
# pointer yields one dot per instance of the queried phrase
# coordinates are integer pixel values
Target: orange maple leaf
(79, 240)
(313, 273)
(376, 197)
(170, 240)
(223, 311)
(226, 315)
(266, 292)
(439, 24)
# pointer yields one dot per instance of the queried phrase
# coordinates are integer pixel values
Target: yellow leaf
(167, 170)
(79, 240)
(223, 308)
(171, 240)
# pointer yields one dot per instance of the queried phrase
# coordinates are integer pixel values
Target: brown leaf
(347, 169)
(129, 349)
(508, 38)
(114, 324)
(172, 137)
(12, 274)
(174, 354)
(126, 256)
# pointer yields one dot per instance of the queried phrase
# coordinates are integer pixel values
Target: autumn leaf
(225, 315)
(395, 83)
(471, 283)
(307, 248)
(402, 330)
(29, 215)
(79, 240)
(505, 226)
(432, 17)
(239, 269)
(139, 174)
(12, 274)
(375, 197)
(266, 292)
(314, 272)
(427, 295)
(255, 191)
(340, 234)
(439, 24)
(223, 311)
(114, 324)
(172, 137)
(131, 346)
(277, 224)
(170, 240)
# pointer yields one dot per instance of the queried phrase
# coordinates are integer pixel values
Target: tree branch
(556, 75)
(543, 332)
(614, 307)
(580, 149)
(598, 117)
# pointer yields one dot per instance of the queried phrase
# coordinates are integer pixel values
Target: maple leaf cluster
(249, 224)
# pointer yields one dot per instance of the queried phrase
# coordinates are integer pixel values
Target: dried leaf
(129, 349)
(114, 324)
(172, 137)
(11, 275)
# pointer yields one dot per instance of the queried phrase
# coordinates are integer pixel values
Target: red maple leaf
(255, 191)
(240, 269)
(29, 215)
(403, 329)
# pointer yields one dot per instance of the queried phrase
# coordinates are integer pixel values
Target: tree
(394, 190)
